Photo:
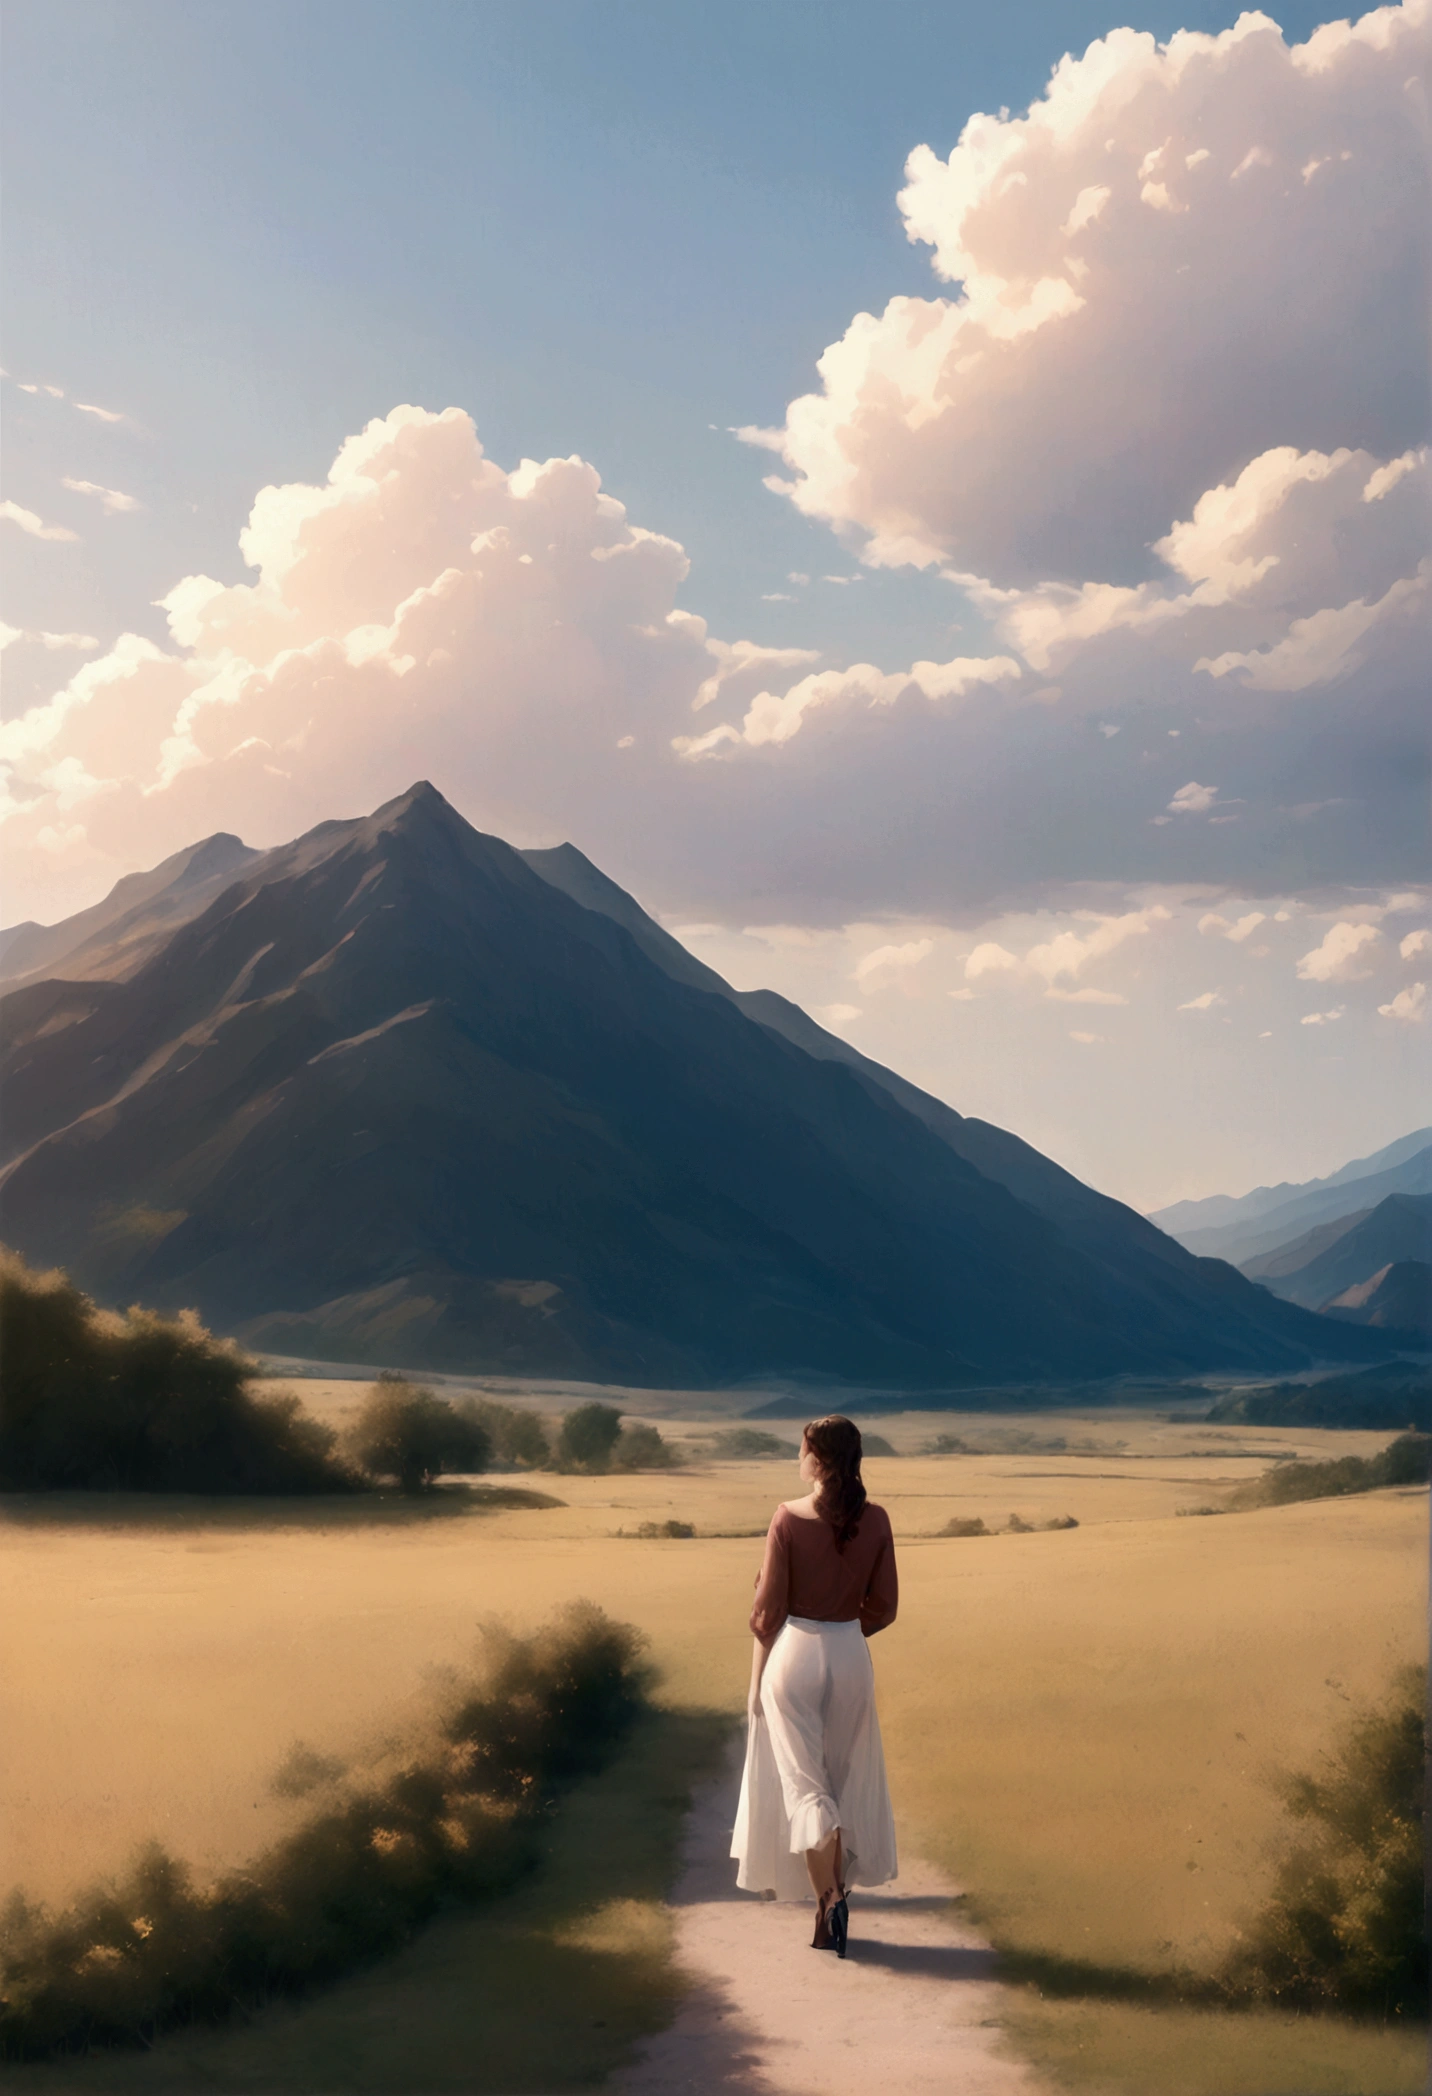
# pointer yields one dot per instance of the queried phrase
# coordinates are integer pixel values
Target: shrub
(946, 1445)
(957, 1526)
(94, 1401)
(1405, 1461)
(640, 1447)
(744, 1444)
(459, 1818)
(1345, 1926)
(514, 1436)
(588, 1436)
(411, 1435)
(649, 1531)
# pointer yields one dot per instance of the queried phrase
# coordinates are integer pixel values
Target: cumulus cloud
(1142, 234)
(1204, 1003)
(1322, 1018)
(422, 610)
(1068, 952)
(34, 527)
(837, 1015)
(1088, 995)
(111, 500)
(1410, 1003)
(887, 961)
(989, 959)
(1342, 955)
(776, 717)
(1212, 923)
(1193, 799)
(11, 636)
(1415, 943)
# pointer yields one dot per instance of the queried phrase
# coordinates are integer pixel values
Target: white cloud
(892, 960)
(34, 526)
(1410, 1003)
(1067, 953)
(1193, 799)
(943, 429)
(1088, 995)
(87, 407)
(1341, 955)
(112, 501)
(989, 959)
(11, 636)
(1322, 1018)
(777, 717)
(422, 611)
(1415, 943)
(1205, 1003)
(1244, 928)
(837, 1015)
(1088, 1039)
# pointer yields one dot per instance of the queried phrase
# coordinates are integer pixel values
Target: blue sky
(1086, 607)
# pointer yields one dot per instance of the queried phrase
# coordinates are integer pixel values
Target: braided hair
(835, 1444)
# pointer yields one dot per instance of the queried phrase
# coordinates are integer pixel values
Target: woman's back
(804, 1572)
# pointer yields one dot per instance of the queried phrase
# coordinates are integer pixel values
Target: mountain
(1320, 1267)
(118, 935)
(1397, 1297)
(1273, 1216)
(397, 1093)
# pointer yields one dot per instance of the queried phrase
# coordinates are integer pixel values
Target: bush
(459, 1818)
(650, 1531)
(514, 1436)
(92, 1401)
(957, 1526)
(745, 1444)
(1405, 1461)
(588, 1436)
(411, 1435)
(641, 1447)
(946, 1445)
(1346, 1924)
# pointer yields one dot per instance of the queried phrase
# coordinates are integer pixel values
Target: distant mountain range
(397, 1092)
(1244, 1227)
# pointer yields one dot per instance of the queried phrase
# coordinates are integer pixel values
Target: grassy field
(1079, 1724)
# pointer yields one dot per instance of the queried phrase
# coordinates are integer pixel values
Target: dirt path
(913, 2011)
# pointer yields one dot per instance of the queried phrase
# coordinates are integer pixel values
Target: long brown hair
(835, 1444)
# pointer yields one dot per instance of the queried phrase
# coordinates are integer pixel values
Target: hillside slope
(394, 1095)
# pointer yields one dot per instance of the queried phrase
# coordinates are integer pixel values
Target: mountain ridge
(395, 1094)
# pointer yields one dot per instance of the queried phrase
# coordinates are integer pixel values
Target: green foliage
(588, 1436)
(411, 1435)
(455, 1819)
(1392, 1395)
(1405, 1461)
(514, 1436)
(92, 1401)
(640, 1447)
(745, 1444)
(1346, 1924)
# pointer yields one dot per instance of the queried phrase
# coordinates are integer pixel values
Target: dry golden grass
(1079, 1724)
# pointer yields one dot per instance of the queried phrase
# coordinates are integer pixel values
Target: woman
(814, 1782)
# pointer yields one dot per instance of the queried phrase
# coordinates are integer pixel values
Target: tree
(414, 1436)
(589, 1435)
(94, 1401)
(516, 1436)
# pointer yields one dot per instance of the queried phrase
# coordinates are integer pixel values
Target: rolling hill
(399, 1092)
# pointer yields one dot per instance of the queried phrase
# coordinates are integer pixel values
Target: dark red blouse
(803, 1574)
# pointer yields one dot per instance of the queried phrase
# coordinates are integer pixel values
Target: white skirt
(814, 1763)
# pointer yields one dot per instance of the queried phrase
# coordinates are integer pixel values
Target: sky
(933, 499)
